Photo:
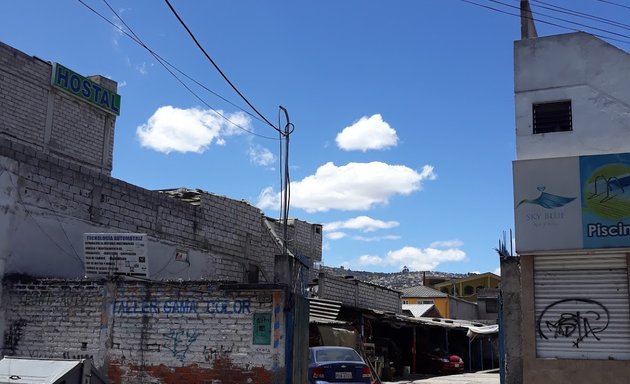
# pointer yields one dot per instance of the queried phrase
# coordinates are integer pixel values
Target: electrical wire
(166, 63)
(613, 3)
(561, 19)
(568, 11)
(138, 40)
(181, 21)
(30, 214)
(280, 167)
(541, 21)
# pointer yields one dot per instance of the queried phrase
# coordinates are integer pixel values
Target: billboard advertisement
(572, 203)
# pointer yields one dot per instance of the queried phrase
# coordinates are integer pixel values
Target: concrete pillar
(511, 291)
(8, 209)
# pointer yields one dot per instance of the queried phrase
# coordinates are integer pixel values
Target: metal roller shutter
(582, 309)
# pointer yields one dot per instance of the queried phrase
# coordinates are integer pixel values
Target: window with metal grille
(552, 117)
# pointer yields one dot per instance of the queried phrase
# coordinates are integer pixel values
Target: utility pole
(284, 213)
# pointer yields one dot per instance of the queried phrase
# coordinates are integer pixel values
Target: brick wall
(147, 331)
(355, 293)
(34, 113)
(304, 239)
(229, 236)
(63, 148)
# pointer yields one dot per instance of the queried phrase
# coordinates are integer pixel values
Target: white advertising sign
(115, 254)
(572, 203)
(547, 210)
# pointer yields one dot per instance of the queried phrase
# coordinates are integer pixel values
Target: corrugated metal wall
(582, 306)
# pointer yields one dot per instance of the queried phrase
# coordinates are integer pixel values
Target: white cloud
(370, 260)
(335, 235)
(497, 271)
(268, 199)
(367, 133)
(260, 156)
(354, 186)
(415, 258)
(142, 68)
(172, 129)
(446, 244)
(362, 223)
(376, 238)
(119, 29)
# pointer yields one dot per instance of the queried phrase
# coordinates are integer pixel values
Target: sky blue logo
(547, 200)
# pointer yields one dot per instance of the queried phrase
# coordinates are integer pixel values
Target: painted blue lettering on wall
(219, 306)
(142, 307)
(225, 306)
(180, 306)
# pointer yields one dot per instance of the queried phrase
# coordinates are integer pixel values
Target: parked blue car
(337, 365)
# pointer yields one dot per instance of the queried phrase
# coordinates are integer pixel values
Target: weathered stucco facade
(572, 96)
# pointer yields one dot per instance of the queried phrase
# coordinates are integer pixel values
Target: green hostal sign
(85, 89)
(262, 328)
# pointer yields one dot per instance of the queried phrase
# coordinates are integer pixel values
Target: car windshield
(337, 354)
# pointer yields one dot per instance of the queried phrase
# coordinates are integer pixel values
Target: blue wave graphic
(547, 200)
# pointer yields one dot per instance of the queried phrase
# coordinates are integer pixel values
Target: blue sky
(403, 110)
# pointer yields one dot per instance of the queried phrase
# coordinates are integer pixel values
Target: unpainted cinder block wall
(358, 294)
(34, 113)
(150, 332)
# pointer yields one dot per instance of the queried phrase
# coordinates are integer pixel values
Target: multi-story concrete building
(572, 212)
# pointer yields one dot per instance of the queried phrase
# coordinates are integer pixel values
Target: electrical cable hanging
(181, 21)
(165, 62)
(561, 19)
(544, 21)
(139, 41)
(613, 3)
(285, 189)
(571, 12)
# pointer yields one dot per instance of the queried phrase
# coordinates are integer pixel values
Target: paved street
(465, 378)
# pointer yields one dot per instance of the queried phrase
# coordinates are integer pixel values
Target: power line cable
(54, 214)
(181, 21)
(616, 4)
(568, 11)
(541, 21)
(138, 40)
(165, 62)
(160, 60)
(561, 19)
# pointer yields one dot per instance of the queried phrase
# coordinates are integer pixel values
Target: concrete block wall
(228, 235)
(149, 332)
(355, 293)
(378, 297)
(56, 320)
(36, 114)
(305, 239)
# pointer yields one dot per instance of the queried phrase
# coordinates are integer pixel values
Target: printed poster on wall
(115, 254)
(547, 209)
(262, 328)
(572, 203)
(605, 183)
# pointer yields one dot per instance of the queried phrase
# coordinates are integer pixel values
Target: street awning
(478, 331)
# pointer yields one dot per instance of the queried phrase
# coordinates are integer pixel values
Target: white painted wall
(593, 75)
(51, 245)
